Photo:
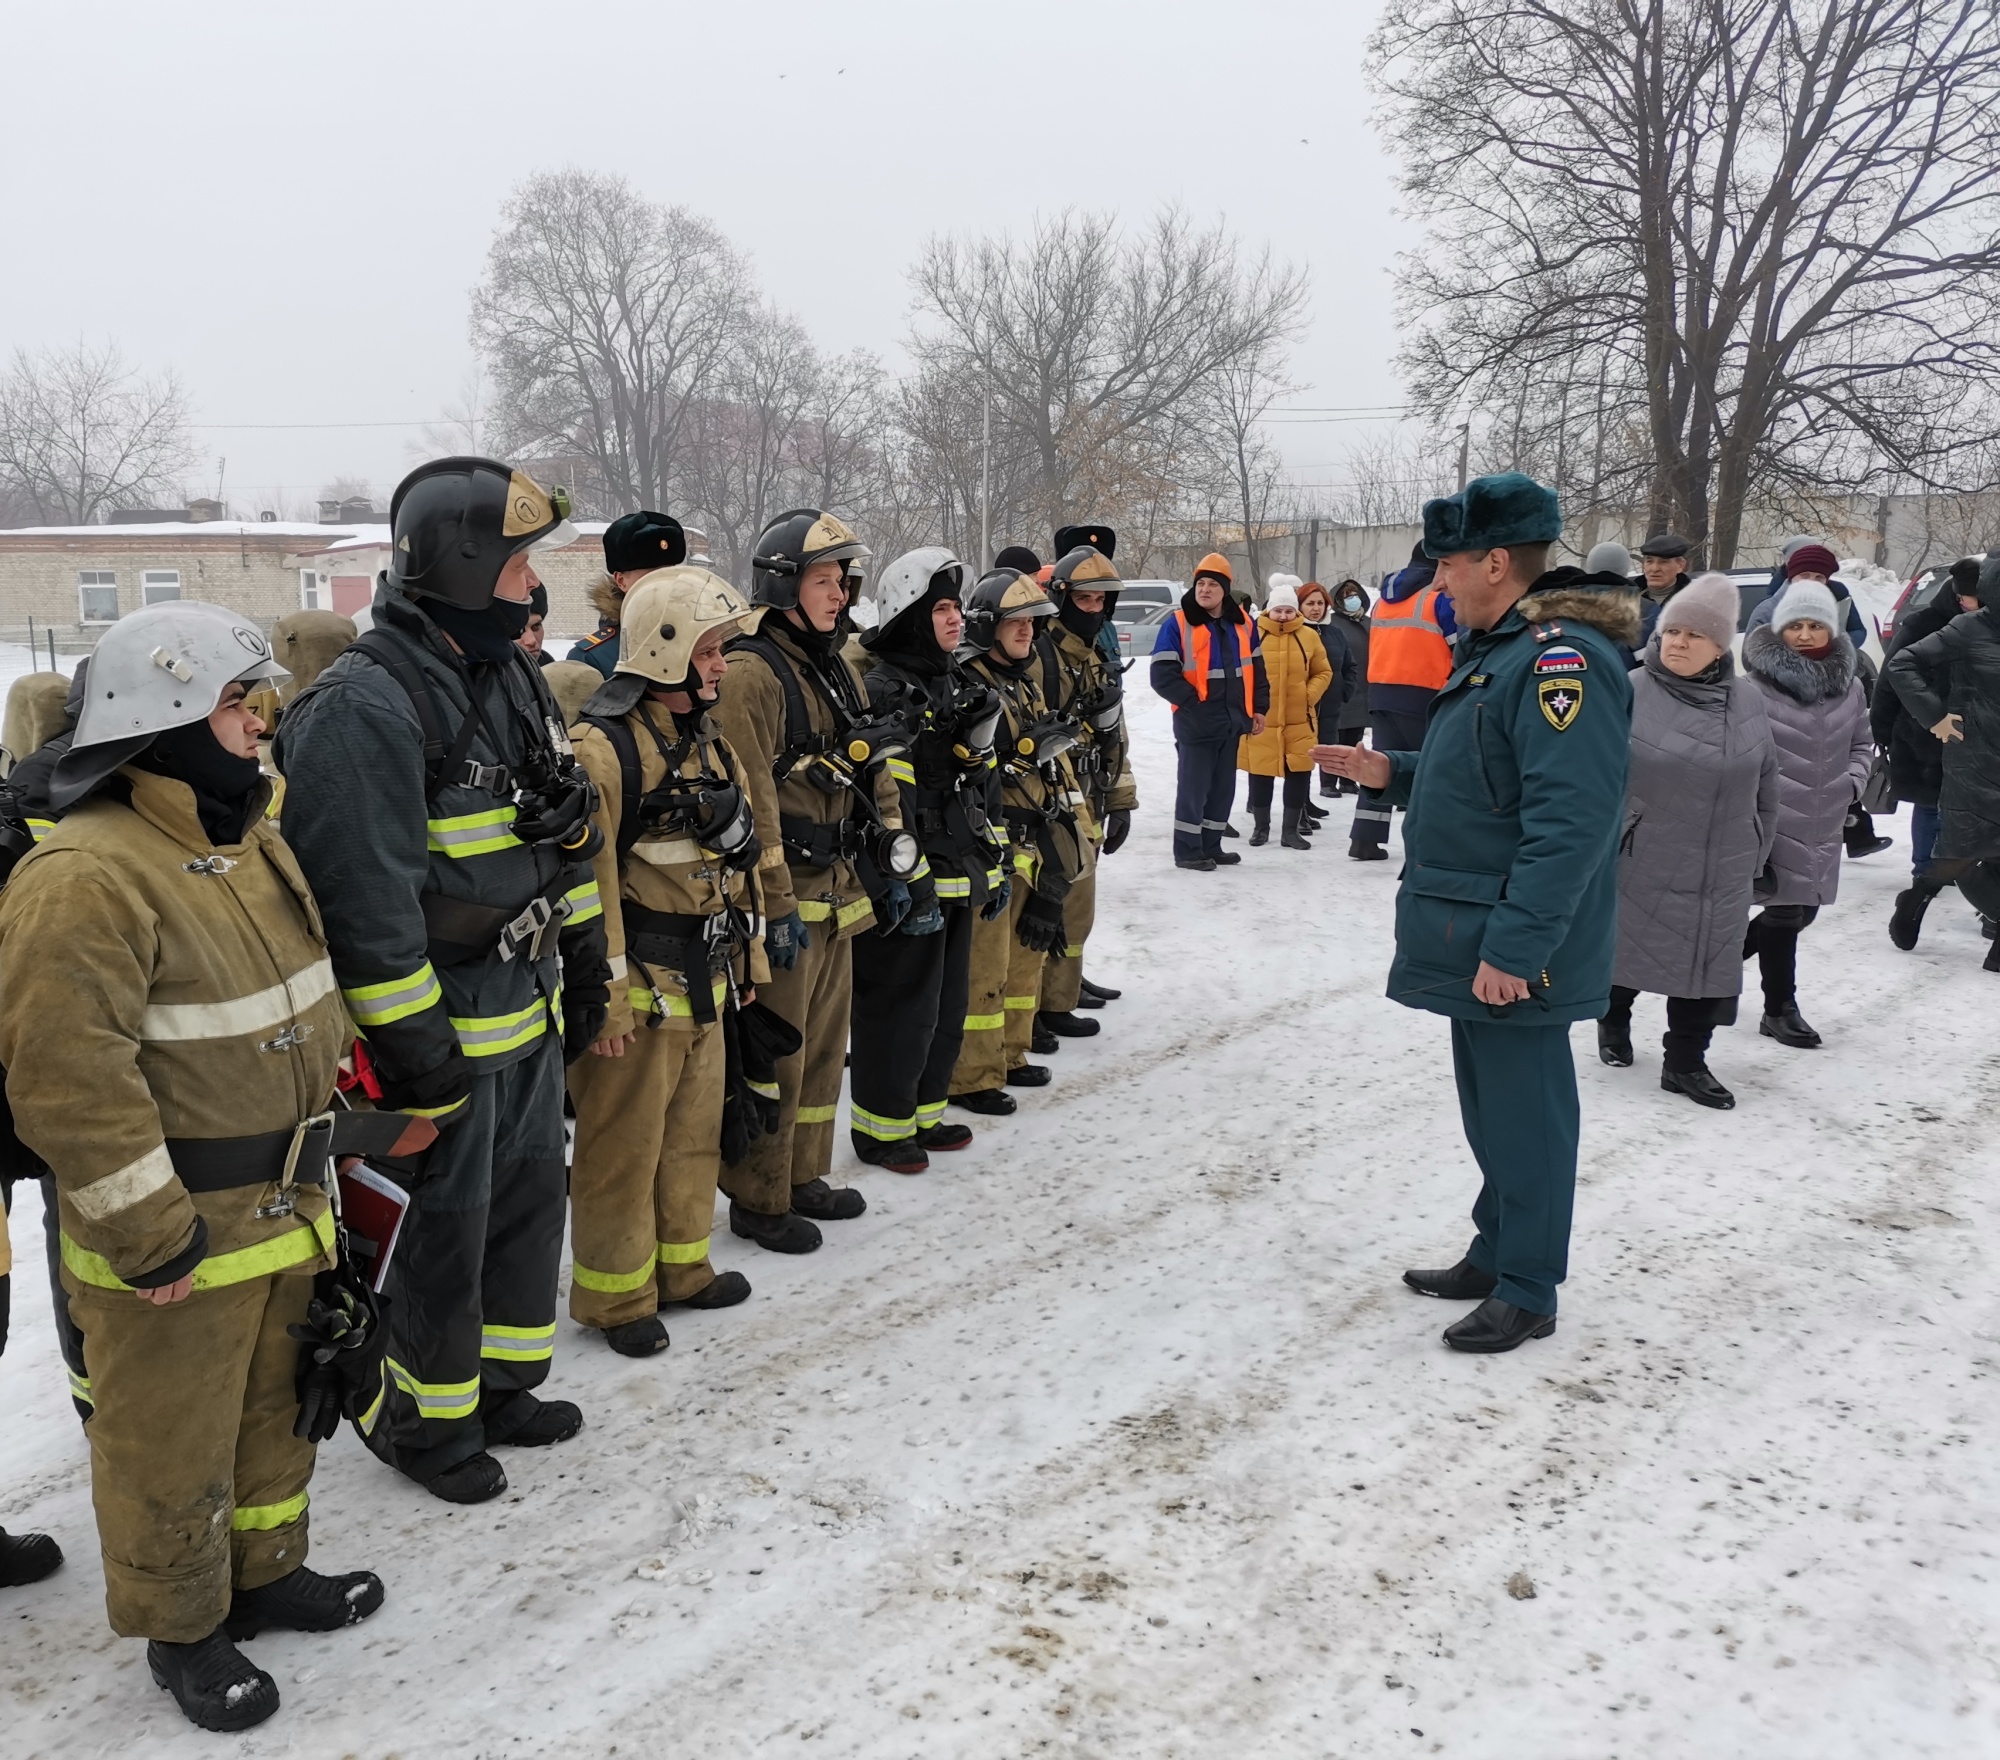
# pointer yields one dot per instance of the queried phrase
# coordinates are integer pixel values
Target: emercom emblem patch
(1561, 699)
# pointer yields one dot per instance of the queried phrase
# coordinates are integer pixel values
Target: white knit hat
(1803, 601)
(1283, 592)
(1707, 606)
(1273, 582)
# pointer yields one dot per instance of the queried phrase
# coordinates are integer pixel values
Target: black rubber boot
(724, 1290)
(945, 1137)
(775, 1234)
(1699, 1086)
(1906, 921)
(1292, 837)
(216, 1686)
(1329, 785)
(1311, 818)
(1196, 864)
(1463, 1282)
(1042, 1041)
(1231, 831)
(825, 1203)
(1790, 1029)
(1991, 963)
(1225, 858)
(1102, 992)
(638, 1338)
(1496, 1326)
(1357, 851)
(905, 1155)
(476, 1479)
(520, 1420)
(304, 1601)
(1260, 829)
(991, 1102)
(1614, 1043)
(1084, 999)
(27, 1558)
(1028, 1075)
(1068, 1026)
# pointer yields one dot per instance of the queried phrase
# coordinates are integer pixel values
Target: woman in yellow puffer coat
(1295, 662)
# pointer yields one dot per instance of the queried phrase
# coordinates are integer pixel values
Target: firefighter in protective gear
(675, 874)
(436, 805)
(834, 859)
(1078, 680)
(910, 986)
(1038, 796)
(167, 925)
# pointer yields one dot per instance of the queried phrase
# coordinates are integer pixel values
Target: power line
(216, 427)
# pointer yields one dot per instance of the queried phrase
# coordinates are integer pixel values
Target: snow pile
(1116, 1435)
(1875, 589)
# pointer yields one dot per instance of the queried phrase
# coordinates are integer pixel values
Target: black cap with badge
(644, 540)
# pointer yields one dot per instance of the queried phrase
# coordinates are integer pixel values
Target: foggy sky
(289, 206)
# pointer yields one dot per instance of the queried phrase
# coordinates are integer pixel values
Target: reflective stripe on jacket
(1406, 644)
(1199, 658)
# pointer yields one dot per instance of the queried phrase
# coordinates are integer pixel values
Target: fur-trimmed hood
(606, 600)
(1767, 655)
(1614, 612)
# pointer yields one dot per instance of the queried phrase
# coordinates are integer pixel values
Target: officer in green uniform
(1507, 914)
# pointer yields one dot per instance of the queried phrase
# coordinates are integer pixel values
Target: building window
(315, 590)
(159, 585)
(96, 595)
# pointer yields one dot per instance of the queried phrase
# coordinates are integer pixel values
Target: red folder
(372, 1207)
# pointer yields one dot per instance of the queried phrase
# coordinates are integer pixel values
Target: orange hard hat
(1217, 564)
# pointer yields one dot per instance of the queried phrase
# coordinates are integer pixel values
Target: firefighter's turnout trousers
(472, 1286)
(1062, 973)
(909, 1021)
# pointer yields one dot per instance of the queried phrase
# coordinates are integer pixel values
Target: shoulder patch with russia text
(1551, 662)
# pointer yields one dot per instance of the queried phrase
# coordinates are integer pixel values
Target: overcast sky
(289, 205)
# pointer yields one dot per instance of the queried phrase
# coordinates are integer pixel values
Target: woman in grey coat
(1701, 813)
(1805, 667)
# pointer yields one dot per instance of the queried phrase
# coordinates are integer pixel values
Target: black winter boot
(1614, 1043)
(942, 1137)
(905, 1155)
(304, 1601)
(1230, 831)
(825, 1203)
(216, 1686)
(1260, 829)
(992, 1102)
(1103, 992)
(1068, 1026)
(1329, 785)
(1226, 858)
(1028, 1075)
(1357, 851)
(1699, 1086)
(1496, 1326)
(476, 1479)
(1196, 864)
(1042, 1040)
(1292, 837)
(1906, 921)
(27, 1558)
(724, 1290)
(1991, 963)
(638, 1338)
(520, 1420)
(1860, 835)
(776, 1234)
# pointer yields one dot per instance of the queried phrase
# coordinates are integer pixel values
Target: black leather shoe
(825, 1203)
(520, 1420)
(1069, 1025)
(1790, 1029)
(993, 1102)
(1366, 852)
(1029, 1075)
(1225, 858)
(476, 1479)
(1195, 864)
(216, 1686)
(945, 1137)
(1463, 1282)
(1496, 1326)
(776, 1234)
(26, 1558)
(1102, 992)
(1042, 1041)
(304, 1601)
(1614, 1045)
(905, 1155)
(638, 1338)
(725, 1291)
(1699, 1086)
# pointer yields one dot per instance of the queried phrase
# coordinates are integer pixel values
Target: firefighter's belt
(818, 843)
(696, 947)
(219, 1164)
(460, 931)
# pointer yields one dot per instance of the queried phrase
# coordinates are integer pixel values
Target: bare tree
(82, 434)
(1741, 245)
(466, 424)
(1093, 347)
(605, 320)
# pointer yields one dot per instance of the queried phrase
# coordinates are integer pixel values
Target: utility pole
(1464, 449)
(986, 484)
(1312, 549)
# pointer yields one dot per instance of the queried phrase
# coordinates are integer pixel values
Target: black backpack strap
(630, 782)
(799, 736)
(440, 761)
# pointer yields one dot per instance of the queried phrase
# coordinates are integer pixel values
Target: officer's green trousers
(1517, 1096)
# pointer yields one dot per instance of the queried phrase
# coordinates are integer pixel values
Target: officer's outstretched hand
(783, 939)
(1495, 987)
(1356, 763)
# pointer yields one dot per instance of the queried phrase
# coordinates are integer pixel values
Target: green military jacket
(1516, 802)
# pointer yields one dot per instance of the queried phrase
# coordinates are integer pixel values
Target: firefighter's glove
(926, 919)
(442, 1094)
(892, 908)
(583, 1026)
(337, 1348)
(784, 940)
(1117, 827)
(996, 900)
(1041, 926)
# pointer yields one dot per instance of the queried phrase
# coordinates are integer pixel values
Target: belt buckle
(284, 1202)
(531, 926)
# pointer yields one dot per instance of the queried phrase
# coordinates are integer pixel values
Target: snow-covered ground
(1117, 1436)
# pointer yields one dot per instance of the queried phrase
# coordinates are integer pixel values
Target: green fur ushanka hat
(1492, 513)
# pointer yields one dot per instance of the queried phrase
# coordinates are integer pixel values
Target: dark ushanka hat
(644, 540)
(1099, 538)
(1020, 559)
(1489, 512)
